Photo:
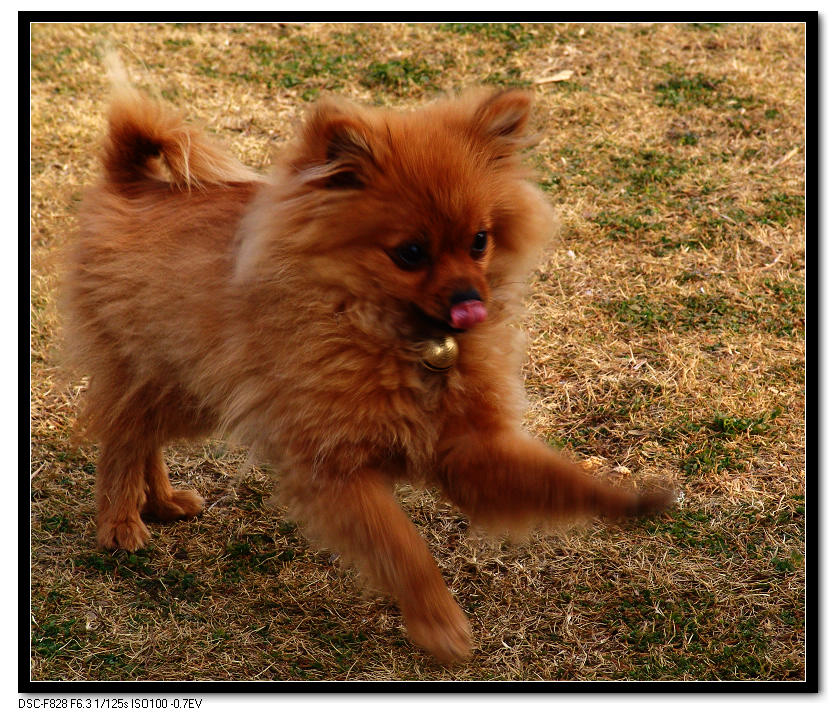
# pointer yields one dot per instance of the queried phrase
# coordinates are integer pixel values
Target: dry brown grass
(667, 339)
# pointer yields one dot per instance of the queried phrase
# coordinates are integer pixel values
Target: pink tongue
(468, 313)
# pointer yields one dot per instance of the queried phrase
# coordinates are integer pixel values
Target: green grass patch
(667, 637)
(730, 426)
(641, 312)
(178, 42)
(508, 77)
(783, 309)
(705, 25)
(781, 208)
(398, 76)
(778, 311)
(719, 444)
(626, 225)
(569, 87)
(691, 529)
(707, 311)
(513, 35)
(550, 183)
(792, 618)
(682, 90)
(154, 584)
(255, 552)
(294, 61)
(712, 457)
(793, 372)
(693, 633)
(647, 172)
(173, 584)
(58, 635)
(58, 63)
(712, 222)
(114, 664)
(685, 138)
(118, 563)
(345, 646)
(57, 524)
(794, 561)
(208, 70)
(638, 395)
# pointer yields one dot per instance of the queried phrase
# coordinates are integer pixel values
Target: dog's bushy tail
(143, 131)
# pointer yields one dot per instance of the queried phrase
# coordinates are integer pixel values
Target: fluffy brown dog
(300, 312)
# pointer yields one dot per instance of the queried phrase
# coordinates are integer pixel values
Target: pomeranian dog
(351, 317)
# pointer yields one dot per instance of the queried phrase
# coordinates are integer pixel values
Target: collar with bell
(440, 354)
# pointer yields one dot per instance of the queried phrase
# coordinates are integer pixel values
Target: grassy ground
(666, 340)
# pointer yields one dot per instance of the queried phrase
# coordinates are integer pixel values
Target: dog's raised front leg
(504, 477)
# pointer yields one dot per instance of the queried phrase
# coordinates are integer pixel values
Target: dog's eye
(410, 255)
(480, 243)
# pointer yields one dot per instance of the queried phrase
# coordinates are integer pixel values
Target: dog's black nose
(464, 296)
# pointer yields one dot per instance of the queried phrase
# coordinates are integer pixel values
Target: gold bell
(440, 354)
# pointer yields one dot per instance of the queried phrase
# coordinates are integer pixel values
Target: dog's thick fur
(203, 297)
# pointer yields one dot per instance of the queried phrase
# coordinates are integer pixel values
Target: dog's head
(426, 210)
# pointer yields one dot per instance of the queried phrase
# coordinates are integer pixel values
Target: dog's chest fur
(348, 388)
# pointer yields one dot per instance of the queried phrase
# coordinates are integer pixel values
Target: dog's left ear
(337, 151)
(502, 120)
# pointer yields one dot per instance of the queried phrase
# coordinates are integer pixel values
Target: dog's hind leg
(359, 517)
(163, 502)
(131, 476)
(177, 418)
(120, 494)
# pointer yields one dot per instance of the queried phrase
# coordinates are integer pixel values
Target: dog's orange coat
(202, 296)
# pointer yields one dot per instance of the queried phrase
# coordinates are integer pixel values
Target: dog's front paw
(653, 501)
(129, 534)
(180, 504)
(442, 630)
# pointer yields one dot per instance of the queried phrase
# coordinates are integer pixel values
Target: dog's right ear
(501, 120)
(336, 152)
